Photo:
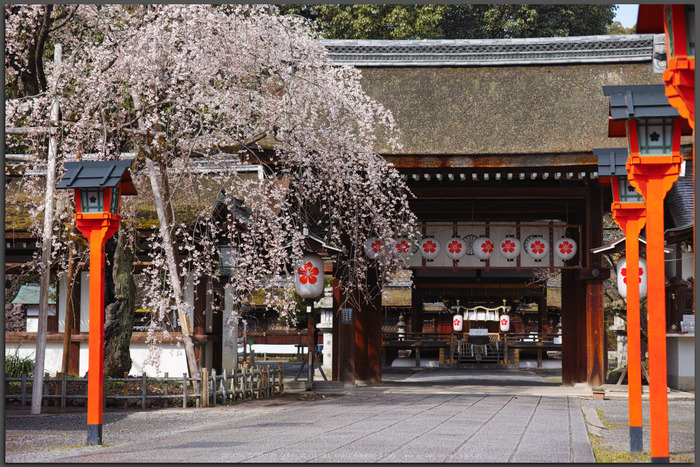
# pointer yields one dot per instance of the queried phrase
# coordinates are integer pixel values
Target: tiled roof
(611, 161)
(476, 52)
(103, 174)
(641, 101)
(29, 295)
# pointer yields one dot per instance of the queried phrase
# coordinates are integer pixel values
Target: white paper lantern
(456, 248)
(308, 278)
(374, 247)
(483, 248)
(429, 248)
(537, 247)
(457, 322)
(622, 277)
(505, 323)
(402, 247)
(509, 248)
(565, 248)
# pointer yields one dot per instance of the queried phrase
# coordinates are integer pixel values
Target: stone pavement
(423, 416)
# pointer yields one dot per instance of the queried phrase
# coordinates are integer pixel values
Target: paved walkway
(428, 416)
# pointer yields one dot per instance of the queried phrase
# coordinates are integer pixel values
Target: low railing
(209, 389)
(417, 336)
(533, 338)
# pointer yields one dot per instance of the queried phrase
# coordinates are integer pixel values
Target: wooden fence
(209, 389)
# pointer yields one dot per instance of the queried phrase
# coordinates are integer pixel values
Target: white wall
(172, 358)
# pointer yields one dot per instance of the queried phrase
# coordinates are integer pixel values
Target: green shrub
(15, 365)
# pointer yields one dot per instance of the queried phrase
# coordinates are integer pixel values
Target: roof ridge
(480, 52)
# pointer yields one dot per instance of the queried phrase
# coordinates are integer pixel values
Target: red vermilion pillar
(631, 221)
(654, 176)
(97, 228)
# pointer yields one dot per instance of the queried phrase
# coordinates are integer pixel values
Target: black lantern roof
(639, 101)
(98, 174)
(611, 161)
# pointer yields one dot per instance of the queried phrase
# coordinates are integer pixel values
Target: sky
(627, 15)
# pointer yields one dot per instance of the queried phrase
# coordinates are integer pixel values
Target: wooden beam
(498, 192)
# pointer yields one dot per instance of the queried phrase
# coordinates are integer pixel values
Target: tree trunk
(46, 239)
(184, 309)
(119, 314)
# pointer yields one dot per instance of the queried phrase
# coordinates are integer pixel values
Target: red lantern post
(630, 214)
(653, 137)
(98, 188)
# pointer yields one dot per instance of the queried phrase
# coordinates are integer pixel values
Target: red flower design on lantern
(307, 273)
(566, 248)
(429, 246)
(457, 322)
(537, 247)
(623, 271)
(504, 321)
(487, 246)
(508, 246)
(376, 246)
(454, 247)
(402, 247)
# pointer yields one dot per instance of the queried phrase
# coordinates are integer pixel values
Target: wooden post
(594, 315)
(126, 389)
(143, 390)
(204, 376)
(23, 399)
(311, 345)
(165, 400)
(184, 390)
(281, 371)
(212, 388)
(64, 389)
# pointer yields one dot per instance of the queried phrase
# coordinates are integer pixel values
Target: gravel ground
(681, 425)
(34, 438)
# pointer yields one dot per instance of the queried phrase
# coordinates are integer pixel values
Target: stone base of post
(636, 439)
(94, 435)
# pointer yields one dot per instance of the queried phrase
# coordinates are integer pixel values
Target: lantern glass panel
(628, 193)
(115, 200)
(228, 255)
(655, 136)
(690, 29)
(92, 199)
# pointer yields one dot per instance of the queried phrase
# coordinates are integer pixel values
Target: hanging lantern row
(482, 247)
(622, 277)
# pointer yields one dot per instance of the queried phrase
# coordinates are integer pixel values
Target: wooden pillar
(361, 316)
(542, 311)
(416, 311)
(595, 325)
(199, 316)
(374, 335)
(335, 330)
(573, 319)
(595, 351)
(74, 349)
(343, 338)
